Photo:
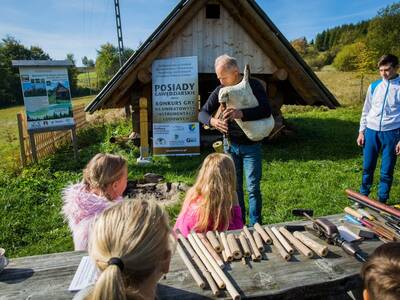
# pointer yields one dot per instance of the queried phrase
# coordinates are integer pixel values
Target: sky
(81, 26)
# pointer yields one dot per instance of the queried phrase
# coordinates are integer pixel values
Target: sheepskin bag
(241, 96)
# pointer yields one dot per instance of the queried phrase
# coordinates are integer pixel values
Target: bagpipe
(240, 96)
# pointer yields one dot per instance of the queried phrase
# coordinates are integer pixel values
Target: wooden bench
(48, 276)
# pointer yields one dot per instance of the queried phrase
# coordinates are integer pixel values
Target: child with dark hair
(381, 274)
(380, 127)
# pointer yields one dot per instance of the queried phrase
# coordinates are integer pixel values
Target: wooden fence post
(21, 139)
(144, 129)
(74, 142)
(33, 146)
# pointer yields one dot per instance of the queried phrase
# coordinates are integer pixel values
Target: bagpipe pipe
(240, 96)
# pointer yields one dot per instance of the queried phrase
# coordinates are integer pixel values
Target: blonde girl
(212, 204)
(104, 181)
(130, 246)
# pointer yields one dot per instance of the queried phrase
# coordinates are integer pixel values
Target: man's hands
(231, 113)
(228, 114)
(220, 125)
(361, 139)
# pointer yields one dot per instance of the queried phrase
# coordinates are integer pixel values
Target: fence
(46, 142)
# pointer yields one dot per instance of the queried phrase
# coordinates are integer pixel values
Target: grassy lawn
(84, 79)
(308, 169)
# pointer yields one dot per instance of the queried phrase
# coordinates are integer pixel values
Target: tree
(348, 58)
(10, 86)
(107, 62)
(72, 75)
(384, 32)
(300, 45)
(38, 53)
(88, 63)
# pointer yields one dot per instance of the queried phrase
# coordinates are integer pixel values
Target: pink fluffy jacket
(80, 209)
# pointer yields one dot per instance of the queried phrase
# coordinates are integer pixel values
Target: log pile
(206, 255)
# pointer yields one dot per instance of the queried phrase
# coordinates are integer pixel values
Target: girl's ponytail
(109, 285)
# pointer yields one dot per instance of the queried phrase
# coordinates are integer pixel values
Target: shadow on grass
(315, 139)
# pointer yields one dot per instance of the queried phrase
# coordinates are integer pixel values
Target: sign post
(175, 96)
(47, 98)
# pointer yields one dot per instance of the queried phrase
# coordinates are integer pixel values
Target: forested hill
(354, 47)
(341, 35)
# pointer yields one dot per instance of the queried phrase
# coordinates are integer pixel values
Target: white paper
(85, 275)
(347, 235)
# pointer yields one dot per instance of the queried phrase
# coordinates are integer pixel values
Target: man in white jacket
(380, 127)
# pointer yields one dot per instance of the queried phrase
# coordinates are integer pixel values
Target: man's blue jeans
(248, 158)
(375, 141)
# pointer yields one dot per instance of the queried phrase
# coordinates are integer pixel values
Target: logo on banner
(192, 127)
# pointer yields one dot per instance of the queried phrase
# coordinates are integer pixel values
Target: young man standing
(380, 127)
(245, 153)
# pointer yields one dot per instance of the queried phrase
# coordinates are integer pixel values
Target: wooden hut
(207, 29)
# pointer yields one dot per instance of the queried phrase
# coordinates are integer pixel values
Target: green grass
(309, 168)
(83, 80)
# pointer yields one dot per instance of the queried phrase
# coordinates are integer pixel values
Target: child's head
(135, 233)
(388, 66)
(106, 174)
(216, 184)
(381, 273)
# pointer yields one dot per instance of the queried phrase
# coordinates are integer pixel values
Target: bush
(347, 58)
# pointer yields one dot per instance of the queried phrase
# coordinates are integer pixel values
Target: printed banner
(47, 97)
(175, 107)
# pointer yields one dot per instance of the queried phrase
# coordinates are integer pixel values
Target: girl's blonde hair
(102, 170)
(135, 231)
(215, 187)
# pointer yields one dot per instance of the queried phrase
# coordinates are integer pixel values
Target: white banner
(47, 97)
(175, 107)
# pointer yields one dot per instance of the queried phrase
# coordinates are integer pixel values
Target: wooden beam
(242, 12)
(162, 40)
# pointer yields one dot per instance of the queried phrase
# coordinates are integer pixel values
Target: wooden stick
(229, 286)
(200, 282)
(224, 257)
(302, 248)
(263, 234)
(226, 246)
(206, 262)
(206, 273)
(214, 242)
(321, 250)
(282, 240)
(233, 245)
(258, 240)
(211, 250)
(252, 242)
(286, 256)
(245, 245)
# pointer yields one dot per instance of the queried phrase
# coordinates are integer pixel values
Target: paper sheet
(85, 275)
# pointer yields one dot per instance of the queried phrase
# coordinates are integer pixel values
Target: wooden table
(48, 276)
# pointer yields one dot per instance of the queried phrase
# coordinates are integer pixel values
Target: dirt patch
(153, 186)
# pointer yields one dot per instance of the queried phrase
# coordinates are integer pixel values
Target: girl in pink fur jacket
(104, 180)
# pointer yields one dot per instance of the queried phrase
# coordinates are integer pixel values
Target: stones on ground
(153, 187)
